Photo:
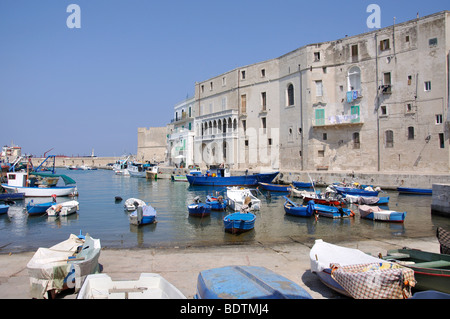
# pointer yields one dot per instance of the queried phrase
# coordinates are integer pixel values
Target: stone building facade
(372, 102)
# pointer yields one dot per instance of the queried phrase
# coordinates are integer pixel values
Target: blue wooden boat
(275, 187)
(367, 200)
(143, 215)
(376, 213)
(294, 209)
(11, 196)
(216, 203)
(222, 177)
(355, 191)
(38, 208)
(3, 209)
(199, 209)
(246, 282)
(236, 223)
(414, 191)
(303, 184)
(333, 212)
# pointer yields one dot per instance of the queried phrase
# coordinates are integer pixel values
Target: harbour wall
(440, 204)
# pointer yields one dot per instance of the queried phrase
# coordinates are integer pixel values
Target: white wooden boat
(39, 184)
(63, 209)
(132, 203)
(356, 274)
(148, 286)
(137, 170)
(236, 196)
(63, 266)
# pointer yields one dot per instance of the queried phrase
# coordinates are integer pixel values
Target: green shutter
(355, 110)
(320, 117)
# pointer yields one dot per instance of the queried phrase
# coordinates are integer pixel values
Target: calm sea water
(104, 218)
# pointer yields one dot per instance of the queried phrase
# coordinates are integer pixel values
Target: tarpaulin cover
(52, 268)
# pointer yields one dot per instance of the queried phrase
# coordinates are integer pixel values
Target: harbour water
(104, 218)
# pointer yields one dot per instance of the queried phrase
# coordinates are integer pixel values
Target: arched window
(354, 79)
(290, 95)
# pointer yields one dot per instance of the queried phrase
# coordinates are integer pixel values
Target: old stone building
(372, 102)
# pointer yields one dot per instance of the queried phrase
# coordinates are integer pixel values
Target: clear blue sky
(75, 90)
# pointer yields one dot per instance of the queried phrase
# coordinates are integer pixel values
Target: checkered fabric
(375, 280)
(443, 237)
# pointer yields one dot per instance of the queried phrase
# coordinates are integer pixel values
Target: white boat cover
(236, 195)
(361, 275)
(378, 213)
(370, 200)
(148, 286)
(129, 203)
(63, 209)
(64, 265)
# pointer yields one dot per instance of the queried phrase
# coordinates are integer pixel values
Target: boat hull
(275, 187)
(243, 180)
(199, 210)
(246, 282)
(63, 209)
(414, 191)
(3, 209)
(39, 208)
(239, 222)
(41, 191)
(333, 212)
(293, 209)
(215, 204)
(355, 191)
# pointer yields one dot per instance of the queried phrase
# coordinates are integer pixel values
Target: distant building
(377, 101)
(151, 144)
(10, 153)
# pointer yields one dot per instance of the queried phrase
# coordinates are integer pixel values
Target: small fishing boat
(39, 184)
(356, 274)
(236, 196)
(216, 203)
(294, 209)
(63, 266)
(137, 170)
(178, 178)
(38, 208)
(237, 223)
(414, 191)
(199, 209)
(319, 198)
(132, 203)
(303, 184)
(355, 191)
(148, 286)
(143, 215)
(3, 209)
(376, 213)
(275, 187)
(431, 270)
(332, 211)
(63, 209)
(246, 282)
(366, 200)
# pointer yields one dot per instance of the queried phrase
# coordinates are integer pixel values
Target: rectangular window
(263, 101)
(387, 82)
(321, 153)
(224, 103)
(356, 143)
(438, 118)
(384, 45)
(407, 38)
(409, 79)
(243, 75)
(354, 50)
(409, 107)
(441, 140)
(263, 73)
(427, 86)
(224, 81)
(383, 109)
(389, 139)
(319, 88)
(320, 117)
(263, 124)
(210, 86)
(244, 125)
(316, 56)
(432, 42)
(324, 136)
(246, 143)
(410, 133)
(269, 141)
(244, 103)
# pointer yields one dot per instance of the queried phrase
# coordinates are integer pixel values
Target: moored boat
(246, 282)
(318, 197)
(356, 274)
(333, 212)
(303, 184)
(414, 191)
(236, 196)
(11, 196)
(178, 178)
(63, 266)
(366, 200)
(216, 202)
(355, 191)
(199, 209)
(376, 213)
(38, 208)
(275, 187)
(143, 215)
(132, 203)
(39, 184)
(431, 270)
(148, 286)
(222, 177)
(237, 223)
(294, 209)
(3, 209)
(63, 209)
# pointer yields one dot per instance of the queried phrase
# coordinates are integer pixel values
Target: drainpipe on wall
(301, 115)
(377, 106)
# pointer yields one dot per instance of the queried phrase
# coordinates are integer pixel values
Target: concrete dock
(181, 265)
